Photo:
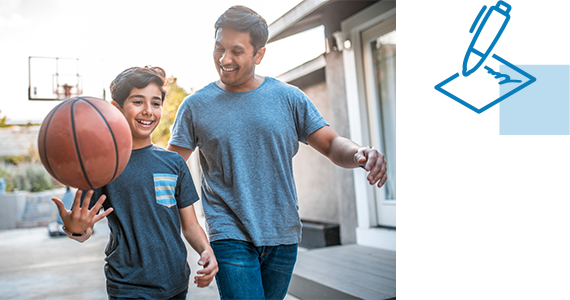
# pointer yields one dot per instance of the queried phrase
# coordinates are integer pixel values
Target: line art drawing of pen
(487, 35)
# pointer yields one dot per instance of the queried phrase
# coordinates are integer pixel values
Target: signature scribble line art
(506, 77)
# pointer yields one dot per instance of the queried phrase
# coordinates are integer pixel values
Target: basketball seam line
(75, 140)
(112, 135)
(45, 144)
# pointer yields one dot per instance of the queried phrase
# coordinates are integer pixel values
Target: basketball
(85, 142)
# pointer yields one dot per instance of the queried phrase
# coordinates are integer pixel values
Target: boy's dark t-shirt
(146, 256)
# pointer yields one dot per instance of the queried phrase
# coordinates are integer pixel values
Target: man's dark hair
(136, 77)
(243, 19)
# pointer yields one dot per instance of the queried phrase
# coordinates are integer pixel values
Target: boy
(147, 206)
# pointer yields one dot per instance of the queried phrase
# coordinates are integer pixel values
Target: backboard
(57, 78)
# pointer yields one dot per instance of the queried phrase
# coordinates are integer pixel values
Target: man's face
(235, 59)
(142, 109)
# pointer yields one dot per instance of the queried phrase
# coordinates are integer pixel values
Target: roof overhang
(304, 69)
(312, 13)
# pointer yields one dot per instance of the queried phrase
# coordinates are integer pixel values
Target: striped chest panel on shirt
(165, 187)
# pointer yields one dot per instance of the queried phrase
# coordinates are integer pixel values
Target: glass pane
(384, 60)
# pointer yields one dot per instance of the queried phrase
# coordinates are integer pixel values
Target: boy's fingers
(77, 200)
(87, 199)
(209, 268)
(203, 281)
(59, 205)
(98, 217)
(97, 206)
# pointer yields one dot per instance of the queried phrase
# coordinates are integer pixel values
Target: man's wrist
(354, 157)
(356, 153)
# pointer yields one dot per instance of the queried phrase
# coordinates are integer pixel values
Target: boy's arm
(79, 221)
(195, 235)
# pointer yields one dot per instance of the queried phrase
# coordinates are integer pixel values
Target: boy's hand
(210, 264)
(79, 219)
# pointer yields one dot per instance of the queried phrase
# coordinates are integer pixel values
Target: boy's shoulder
(165, 153)
(158, 154)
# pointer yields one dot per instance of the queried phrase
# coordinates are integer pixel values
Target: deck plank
(352, 270)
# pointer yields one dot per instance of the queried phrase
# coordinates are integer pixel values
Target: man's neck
(256, 81)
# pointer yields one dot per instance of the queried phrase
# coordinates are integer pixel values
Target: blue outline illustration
(496, 12)
(531, 79)
(500, 10)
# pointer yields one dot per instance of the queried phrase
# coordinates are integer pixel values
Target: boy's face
(142, 109)
(235, 60)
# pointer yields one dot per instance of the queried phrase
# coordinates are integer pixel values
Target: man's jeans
(250, 272)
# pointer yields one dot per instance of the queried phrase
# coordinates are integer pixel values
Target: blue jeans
(250, 272)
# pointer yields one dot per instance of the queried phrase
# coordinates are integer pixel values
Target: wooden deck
(345, 272)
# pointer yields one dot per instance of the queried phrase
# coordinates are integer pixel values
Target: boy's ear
(115, 104)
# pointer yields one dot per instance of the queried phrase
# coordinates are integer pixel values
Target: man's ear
(259, 55)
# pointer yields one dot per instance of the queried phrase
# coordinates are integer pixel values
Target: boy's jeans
(181, 296)
(250, 272)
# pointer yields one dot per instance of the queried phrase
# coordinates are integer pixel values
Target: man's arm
(184, 152)
(347, 154)
(196, 237)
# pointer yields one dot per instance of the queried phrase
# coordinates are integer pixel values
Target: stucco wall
(336, 89)
(16, 140)
(315, 174)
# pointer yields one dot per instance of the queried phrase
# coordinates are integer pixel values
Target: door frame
(367, 233)
(385, 208)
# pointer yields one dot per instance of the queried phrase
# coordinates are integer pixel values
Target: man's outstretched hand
(373, 162)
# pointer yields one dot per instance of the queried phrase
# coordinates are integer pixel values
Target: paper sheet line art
(487, 34)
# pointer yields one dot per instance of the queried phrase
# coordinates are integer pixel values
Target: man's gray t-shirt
(246, 142)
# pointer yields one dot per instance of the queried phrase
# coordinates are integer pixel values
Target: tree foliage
(174, 97)
(3, 121)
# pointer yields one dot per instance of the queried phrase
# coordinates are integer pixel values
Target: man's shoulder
(200, 95)
(274, 82)
(278, 87)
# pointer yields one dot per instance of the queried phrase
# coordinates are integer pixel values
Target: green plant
(174, 97)
(3, 121)
(25, 172)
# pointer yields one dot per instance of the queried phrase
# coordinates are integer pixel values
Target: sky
(175, 35)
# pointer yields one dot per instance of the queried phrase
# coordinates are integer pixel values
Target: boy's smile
(143, 110)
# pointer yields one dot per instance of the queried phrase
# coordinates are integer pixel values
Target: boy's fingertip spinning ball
(85, 142)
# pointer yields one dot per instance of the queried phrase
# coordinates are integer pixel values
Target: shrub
(31, 177)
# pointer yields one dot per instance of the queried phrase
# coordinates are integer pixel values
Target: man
(248, 129)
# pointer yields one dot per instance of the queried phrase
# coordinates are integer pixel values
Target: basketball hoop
(65, 91)
(60, 78)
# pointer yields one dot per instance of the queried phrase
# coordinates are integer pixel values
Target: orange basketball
(85, 142)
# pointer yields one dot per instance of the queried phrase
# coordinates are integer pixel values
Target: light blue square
(543, 108)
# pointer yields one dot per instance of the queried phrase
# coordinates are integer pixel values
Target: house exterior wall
(338, 94)
(334, 74)
(315, 176)
(326, 191)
